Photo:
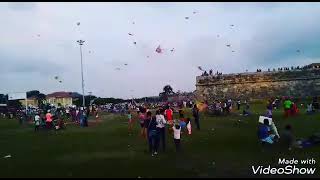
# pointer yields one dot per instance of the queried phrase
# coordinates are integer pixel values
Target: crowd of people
(268, 133)
(52, 117)
(154, 125)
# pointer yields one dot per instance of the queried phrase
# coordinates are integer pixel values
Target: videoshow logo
(289, 169)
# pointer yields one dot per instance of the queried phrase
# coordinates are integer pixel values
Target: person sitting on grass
(264, 133)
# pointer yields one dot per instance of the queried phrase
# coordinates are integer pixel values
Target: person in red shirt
(169, 114)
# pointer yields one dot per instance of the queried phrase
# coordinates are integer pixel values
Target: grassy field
(224, 147)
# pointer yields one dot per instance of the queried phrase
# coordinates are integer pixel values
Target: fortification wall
(260, 85)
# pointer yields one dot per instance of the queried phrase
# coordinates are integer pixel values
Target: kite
(186, 17)
(118, 69)
(147, 56)
(134, 42)
(56, 77)
(218, 35)
(130, 34)
(200, 68)
(133, 23)
(228, 45)
(126, 64)
(233, 51)
(298, 50)
(159, 50)
(89, 51)
(231, 25)
(78, 23)
(172, 50)
(38, 35)
(60, 81)
(194, 12)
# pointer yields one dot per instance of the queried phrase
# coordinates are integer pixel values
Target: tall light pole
(83, 99)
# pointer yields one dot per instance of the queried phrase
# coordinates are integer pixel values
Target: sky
(38, 43)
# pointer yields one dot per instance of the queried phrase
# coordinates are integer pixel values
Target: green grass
(102, 150)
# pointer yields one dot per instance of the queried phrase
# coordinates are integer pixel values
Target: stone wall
(260, 85)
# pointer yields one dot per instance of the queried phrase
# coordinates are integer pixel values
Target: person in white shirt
(36, 122)
(161, 123)
(176, 136)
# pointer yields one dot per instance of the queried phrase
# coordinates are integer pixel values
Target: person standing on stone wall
(195, 113)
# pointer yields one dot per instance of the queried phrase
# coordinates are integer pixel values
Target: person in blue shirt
(153, 134)
(264, 132)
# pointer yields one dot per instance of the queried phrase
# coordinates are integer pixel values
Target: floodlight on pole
(83, 99)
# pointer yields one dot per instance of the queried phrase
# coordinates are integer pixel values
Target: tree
(167, 91)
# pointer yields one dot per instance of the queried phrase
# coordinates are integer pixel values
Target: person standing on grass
(169, 114)
(238, 104)
(142, 121)
(153, 135)
(48, 120)
(287, 107)
(176, 136)
(195, 113)
(161, 123)
(36, 122)
(130, 122)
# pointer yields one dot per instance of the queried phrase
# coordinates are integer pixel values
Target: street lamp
(83, 99)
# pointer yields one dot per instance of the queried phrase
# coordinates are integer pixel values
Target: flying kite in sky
(233, 51)
(194, 12)
(298, 50)
(38, 35)
(172, 50)
(89, 51)
(159, 50)
(228, 45)
(130, 34)
(56, 77)
(60, 81)
(126, 64)
(231, 25)
(78, 23)
(134, 42)
(200, 68)
(186, 17)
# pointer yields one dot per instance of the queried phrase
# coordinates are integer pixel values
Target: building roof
(61, 94)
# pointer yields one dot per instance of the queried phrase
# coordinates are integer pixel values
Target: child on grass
(130, 123)
(176, 136)
(36, 122)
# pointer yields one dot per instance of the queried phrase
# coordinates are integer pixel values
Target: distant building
(62, 98)
(31, 101)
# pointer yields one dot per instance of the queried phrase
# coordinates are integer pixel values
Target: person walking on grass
(195, 113)
(161, 128)
(176, 136)
(130, 122)
(36, 122)
(48, 120)
(287, 107)
(152, 133)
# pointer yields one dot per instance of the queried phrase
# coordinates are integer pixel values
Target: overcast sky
(38, 42)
